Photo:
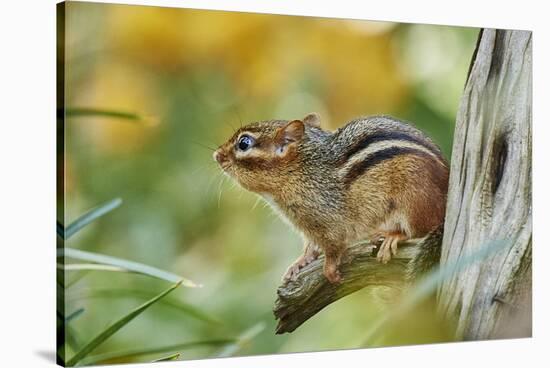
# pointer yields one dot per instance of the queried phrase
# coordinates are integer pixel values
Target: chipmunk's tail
(428, 254)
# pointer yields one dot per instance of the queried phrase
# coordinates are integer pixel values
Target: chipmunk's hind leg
(333, 259)
(389, 246)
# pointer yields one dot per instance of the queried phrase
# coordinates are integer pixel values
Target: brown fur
(397, 192)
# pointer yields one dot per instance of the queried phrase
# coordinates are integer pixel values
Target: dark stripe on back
(388, 136)
(376, 157)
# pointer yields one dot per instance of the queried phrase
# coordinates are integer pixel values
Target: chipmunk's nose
(219, 156)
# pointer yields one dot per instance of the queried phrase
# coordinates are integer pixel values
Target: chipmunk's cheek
(241, 178)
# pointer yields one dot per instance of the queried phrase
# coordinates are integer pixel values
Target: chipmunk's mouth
(221, 158)
(224, 162)
(225, 167)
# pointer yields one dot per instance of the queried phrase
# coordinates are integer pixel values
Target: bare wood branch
(299, 300)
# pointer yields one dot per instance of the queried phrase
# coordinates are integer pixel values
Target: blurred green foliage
(184, 80)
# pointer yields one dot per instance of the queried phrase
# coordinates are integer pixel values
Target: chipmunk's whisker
(212, 180)
(255, 203)
(229, 125)
(220, 189)
(212, 149)
(236, 112)
(197, 170)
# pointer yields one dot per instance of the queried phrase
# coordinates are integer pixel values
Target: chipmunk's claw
(387, 249)
(384, 253)
(291, 273)
(293, 270)
(333, 276)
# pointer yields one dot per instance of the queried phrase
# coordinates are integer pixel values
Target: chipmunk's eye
(245, 142)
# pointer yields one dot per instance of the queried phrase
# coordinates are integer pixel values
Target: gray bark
(490, 192)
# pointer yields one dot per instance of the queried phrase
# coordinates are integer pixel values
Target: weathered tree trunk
(489, 200)
(490, 192)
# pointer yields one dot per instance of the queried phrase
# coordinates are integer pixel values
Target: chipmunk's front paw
(292, 272)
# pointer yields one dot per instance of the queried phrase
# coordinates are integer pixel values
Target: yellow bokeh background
(190, 77)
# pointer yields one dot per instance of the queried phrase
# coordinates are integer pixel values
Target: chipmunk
(375, 178)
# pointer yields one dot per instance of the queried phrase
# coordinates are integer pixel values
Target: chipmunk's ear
(313, 119)
(291, 133)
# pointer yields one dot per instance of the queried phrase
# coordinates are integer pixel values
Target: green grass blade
(167, 358)
(60, 230)
(90, 216)
(135, 353)
(244, 339)
(89, 266)
(72, 341)
(75, 279)
(188, 309)
(74, 315)
(428, 284)
(129, 266)
(86, 112)
(109, 331)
